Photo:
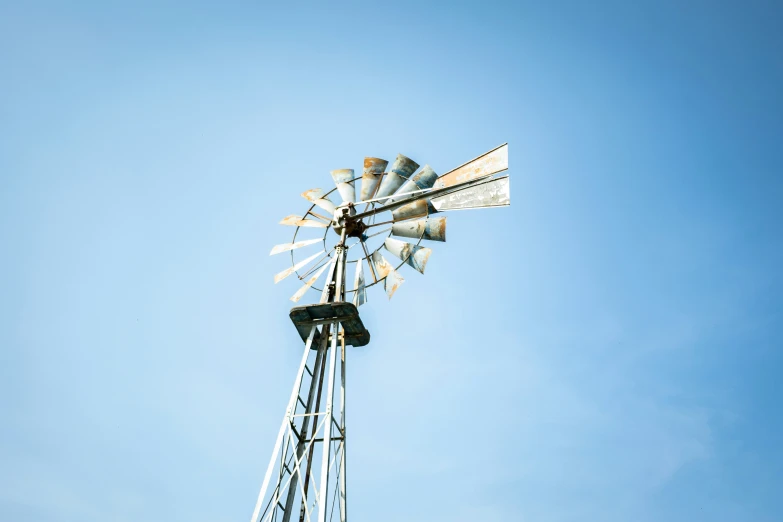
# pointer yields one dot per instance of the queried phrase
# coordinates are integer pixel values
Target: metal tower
(305, 479)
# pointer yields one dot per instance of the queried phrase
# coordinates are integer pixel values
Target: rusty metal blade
(298, 221)
(360, 296)
(391, 278)
(412, 255)
(291, 269)
(343, 178)
(373, 169)
(494, 193)
(317, 197)
(299, 293)
(433, 229)
(417, 209)
(425, 194)
(490, 162)
(401, 170)
(293, 246)
(423, 179)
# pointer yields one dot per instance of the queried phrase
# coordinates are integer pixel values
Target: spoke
(369, 262)
(379, 233)
(328, 220)
(397, 195)
(379, 224)
(316, 266)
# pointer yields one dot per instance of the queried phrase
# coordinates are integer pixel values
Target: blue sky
(607, 348)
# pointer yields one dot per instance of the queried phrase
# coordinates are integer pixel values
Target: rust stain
(413, 255)
(391, 278)
(491, 162)
(416, 209)
(433, 229)
(317, 197)
(374, 165)
(297, 221)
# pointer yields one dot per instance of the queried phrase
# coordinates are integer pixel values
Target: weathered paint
(293, 246)
(290, 270)
(417, 209)
(423, 179)
(354, 333)
(391, 206)
(412, 255)
(317, 197)
(299, 293)
(373, 170)
(433, 229)
(360, 295)
(491, 162)
(401, 170)
(298, 221)
(391, 278)
(343, 178)
(494, 193)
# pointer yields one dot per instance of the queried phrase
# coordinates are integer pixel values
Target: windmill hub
(343, 215)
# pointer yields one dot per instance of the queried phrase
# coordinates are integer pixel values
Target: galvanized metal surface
(373, 170)
(281, 436)
(417, 209)
(412, 255)
(423, 179)
(298, 221)
(494, 193)
(391, 278)
(343, 178)
(301, 264)
(433, 229)
(318, 197)
(491, 162)
(401, 170)
(277, 249)
(428, 193)
(360, 295)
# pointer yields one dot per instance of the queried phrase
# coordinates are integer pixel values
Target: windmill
(388, 217)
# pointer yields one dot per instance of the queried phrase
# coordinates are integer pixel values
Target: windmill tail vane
(388, 210)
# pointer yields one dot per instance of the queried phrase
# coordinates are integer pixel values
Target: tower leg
(283, 429)
(343, 505)
(307, 428)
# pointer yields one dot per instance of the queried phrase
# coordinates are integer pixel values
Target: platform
(305, 317)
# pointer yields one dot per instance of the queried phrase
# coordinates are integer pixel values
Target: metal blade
(420, 194)
(433, 229)
(291, 269)
(317, 197)
(401, 170)
(391, 278)
(423, 179)
(293, 246)
(494, 193)
(417, 209)
(490, 162)
(297, 221)
(410, 254)
(299, 293)
(343, 179)
(360, 296)
(373, 169)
